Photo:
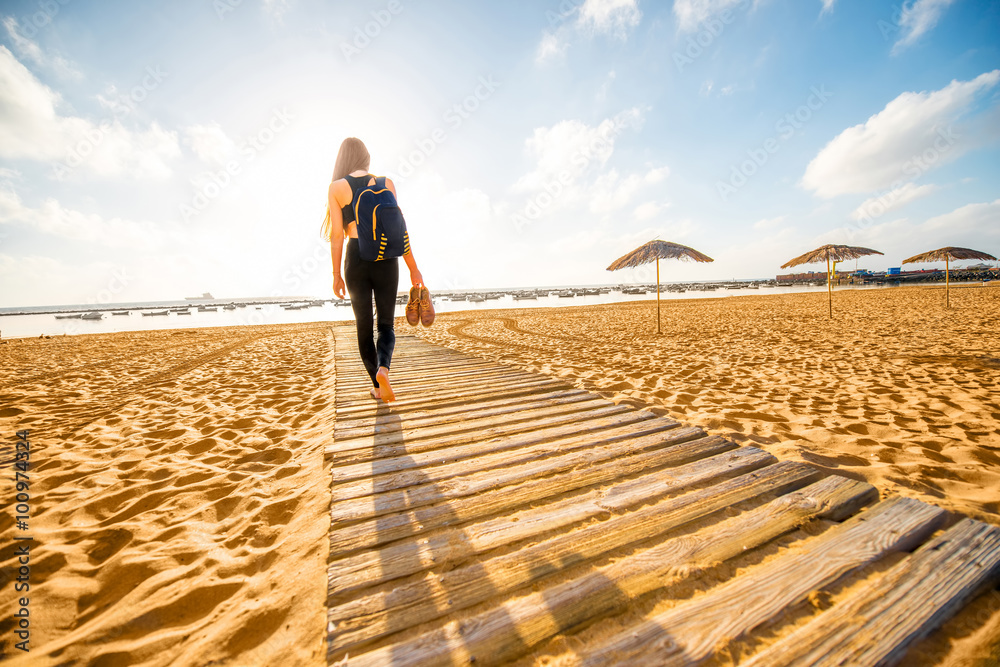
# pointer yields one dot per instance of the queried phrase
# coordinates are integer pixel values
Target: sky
(159, 150)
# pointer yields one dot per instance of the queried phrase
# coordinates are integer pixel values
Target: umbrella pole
(947, 284)
(657, 295)
(829, 286)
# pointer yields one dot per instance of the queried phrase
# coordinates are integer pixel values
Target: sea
(34, 321)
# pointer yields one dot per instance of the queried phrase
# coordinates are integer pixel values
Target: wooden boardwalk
(474, 525)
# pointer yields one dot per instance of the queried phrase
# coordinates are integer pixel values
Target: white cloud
(918, 17)
(692, 13)
(910, 136)
(54, 219)
(602, 92)
(612, 193)
(209, 142)
(31, 128)
(610, 17)
(649, 210)
(656, 175)
(30, 50)
(569, 148)
(970, 226)
(552, 46)
(614, 17)
(827, 6)
(768, 223)
(276, 9)
(975, 223)
(891, 200)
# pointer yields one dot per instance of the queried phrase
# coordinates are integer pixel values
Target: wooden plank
(448, 396)
(508, 631)
(879, 624)
(495, 453)
(364, 619)
(401, 434)
(400, 428)
(437, 383)
(689, 633)
(466, 374)
(351, 428)
(491, 492)
(438, 378)
(394, 492)
(407, 557)
(589, 423)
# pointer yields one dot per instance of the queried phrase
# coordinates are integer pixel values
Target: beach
(180, 502)
(895, 389)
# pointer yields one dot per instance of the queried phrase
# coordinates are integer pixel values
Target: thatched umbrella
(948, 254)
(654, 251)
(836, 253)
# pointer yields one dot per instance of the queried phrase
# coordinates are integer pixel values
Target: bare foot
(385, 389)
(376, 393)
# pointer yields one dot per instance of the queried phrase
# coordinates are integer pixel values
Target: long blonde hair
(352, 156)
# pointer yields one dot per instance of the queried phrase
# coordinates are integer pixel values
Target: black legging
(364, 279)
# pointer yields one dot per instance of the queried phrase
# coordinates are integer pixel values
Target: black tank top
(355, 182)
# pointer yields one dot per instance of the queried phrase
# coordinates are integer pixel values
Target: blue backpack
(381, 227)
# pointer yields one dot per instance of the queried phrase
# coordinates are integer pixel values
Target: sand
(179, 503)
(895, 389)
(180, 500)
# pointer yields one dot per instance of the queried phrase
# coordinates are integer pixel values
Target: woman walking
(363, 279)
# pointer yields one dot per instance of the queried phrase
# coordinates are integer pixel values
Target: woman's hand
(339, 287)
(415, 277)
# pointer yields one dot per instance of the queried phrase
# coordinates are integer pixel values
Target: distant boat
(204, 297)
(92, 316)
(74, 316)
(155, 313)
(120, 312)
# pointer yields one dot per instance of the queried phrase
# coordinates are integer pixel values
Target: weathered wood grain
(689, 633)
(473, 410)
(512, 628)
(490, 492)
(876, 626)
(408, 557)
(369, 617)
(392, 471)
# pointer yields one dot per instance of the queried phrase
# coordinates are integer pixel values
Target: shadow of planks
(490, 510)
